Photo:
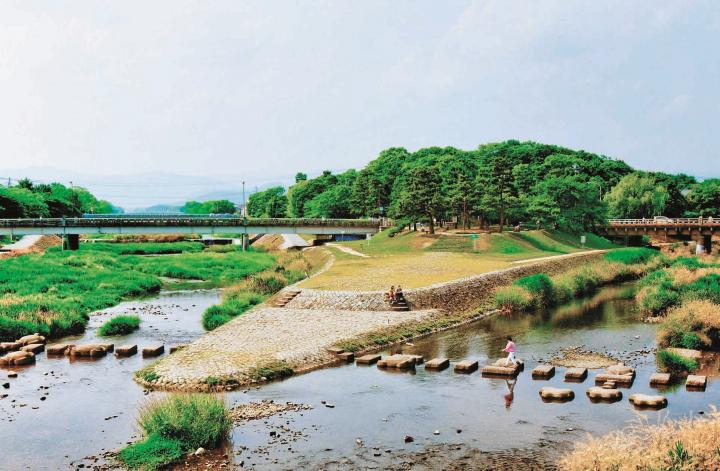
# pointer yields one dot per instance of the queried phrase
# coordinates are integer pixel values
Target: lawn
(414, 260)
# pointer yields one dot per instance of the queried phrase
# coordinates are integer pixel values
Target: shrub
(176, 425)
(675, 364)
(267, 282)
(120, 325)
(693, 325)
(234, 304)
(152, 453)
(539, 285)
(513, 298)
(631, 255)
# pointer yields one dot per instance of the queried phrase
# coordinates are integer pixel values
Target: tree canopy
(28, 200)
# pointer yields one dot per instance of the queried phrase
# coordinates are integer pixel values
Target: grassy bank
(120, 325)
(414, 260)
(53, 293)
(541, 290)
(691, 444)
(289, 268)
(175, 426)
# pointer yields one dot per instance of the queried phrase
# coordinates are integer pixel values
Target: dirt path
(265, 335)
(348, 250)
(555, 257)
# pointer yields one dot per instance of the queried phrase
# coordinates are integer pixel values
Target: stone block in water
(437, 364)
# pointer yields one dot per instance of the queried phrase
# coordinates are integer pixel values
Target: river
(91, 406)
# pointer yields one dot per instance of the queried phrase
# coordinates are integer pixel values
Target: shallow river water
(91, 406)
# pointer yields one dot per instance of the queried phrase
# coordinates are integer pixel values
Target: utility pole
(244, 210)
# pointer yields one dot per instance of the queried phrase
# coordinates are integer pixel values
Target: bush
(234, 304)
(120, 325)
(631, 255)
(694, 325)
(176, 425)
(675, 364)
(513, 298)
(267, 282)
(539, 285)
(705, 288)
(152, 453)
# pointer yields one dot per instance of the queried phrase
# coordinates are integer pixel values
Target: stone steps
(285, 297)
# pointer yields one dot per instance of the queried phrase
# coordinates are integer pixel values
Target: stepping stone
(643, 401)
(466, 366)
(17, 358)
(698, 382)
(335, 350)
(419, 359)
(347, 356)
(543, 372)
(597, 394)
(57, 349)
(609, 385)
(33, 348)
(126, 350)
(660, 379)
(397, 361)
(576, 375)
(153, 351)
(437, 364)
(369, 359)
(109, 347)
(519, 363)
(549, 394)
(28, 339)
(90, 350)
(9, 347)
(620, 380)
(620, 370)
(175, 348)
(492, 370)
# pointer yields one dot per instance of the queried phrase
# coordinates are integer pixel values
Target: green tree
(271, 203)
(496, 176)
(567, 203)
(644, 195)
(421, 198)
(704, 198)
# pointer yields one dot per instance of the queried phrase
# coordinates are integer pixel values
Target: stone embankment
(454, 296)
(298, 335)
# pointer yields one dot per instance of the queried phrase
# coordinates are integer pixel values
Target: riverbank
(266, 342)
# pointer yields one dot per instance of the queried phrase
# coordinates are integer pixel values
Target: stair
(285, 297)
(400, 306)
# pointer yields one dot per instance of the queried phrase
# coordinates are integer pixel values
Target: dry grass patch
(690, 444)
(413, 270)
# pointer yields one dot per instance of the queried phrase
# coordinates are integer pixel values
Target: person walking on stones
(510, 396)
(510, 350)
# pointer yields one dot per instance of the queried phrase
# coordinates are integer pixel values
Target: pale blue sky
(263, 89)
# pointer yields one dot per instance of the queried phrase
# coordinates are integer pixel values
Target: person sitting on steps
(390, 297)
(399, 296)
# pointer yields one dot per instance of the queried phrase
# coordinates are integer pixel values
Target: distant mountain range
(147, 192)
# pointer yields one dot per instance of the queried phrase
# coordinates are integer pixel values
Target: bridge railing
(175, 221)
(665, 222)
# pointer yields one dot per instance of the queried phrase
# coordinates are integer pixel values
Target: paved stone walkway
(296, 336)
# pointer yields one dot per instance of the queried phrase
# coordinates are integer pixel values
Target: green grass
(539, 285)
(144, 248)
(675, 364)
(231, 307)
(631, 255)
(224, 268)
(53, 293)
(120, 325)
(176, 425)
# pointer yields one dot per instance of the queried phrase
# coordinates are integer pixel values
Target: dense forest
(502, 183)
(29, 200)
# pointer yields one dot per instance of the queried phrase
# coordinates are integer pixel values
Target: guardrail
(665, 222)
(221, 221)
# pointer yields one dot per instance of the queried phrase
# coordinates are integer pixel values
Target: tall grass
(120, 325)
(688, 444)
(695, 325)
(144, 248)
(675, 364)
(175, 425)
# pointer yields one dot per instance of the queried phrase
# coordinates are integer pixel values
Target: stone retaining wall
(453, 296)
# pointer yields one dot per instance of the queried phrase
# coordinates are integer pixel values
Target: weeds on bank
(144, 248)
(120, 325)
(675, 364)
(271, 371)
(688, 444)
(174, 426)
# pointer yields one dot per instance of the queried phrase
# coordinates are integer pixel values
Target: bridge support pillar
(71, 242)
(245, 242)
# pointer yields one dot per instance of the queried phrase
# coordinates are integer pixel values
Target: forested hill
(28, 200)
(507, 182)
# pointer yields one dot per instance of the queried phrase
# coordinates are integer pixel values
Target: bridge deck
(186, 225)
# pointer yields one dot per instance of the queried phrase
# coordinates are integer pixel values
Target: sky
(257, 90)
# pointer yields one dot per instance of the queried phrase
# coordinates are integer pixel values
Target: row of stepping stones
(605, 390)
(24, 350)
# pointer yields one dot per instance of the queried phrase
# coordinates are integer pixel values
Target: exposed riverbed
(91, 406)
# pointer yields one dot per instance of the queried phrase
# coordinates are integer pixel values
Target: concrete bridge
(700, 230)
(71, 228)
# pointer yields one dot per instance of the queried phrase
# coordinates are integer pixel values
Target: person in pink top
(510, 350)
